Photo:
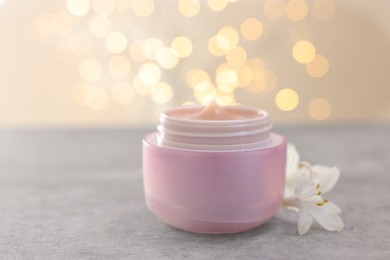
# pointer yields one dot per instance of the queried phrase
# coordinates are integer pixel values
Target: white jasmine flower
(292, 169)
(305, 186)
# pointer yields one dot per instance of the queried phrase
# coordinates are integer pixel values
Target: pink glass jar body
(214, 192)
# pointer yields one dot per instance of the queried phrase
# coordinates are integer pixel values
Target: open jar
(214, 169)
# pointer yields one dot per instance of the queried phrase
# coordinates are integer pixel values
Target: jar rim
(178, 129)
(262, 115)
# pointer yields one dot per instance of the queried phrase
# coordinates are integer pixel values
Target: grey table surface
(78, 194)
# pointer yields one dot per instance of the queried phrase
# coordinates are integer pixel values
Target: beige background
(36, 86)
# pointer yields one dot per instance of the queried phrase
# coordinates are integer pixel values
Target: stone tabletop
(77, 194)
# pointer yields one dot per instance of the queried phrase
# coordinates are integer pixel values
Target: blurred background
(79, 63)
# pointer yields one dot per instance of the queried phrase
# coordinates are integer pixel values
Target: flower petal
(296, 178)
(314, 199)
(328, 177)
(333, 207)
(308, 188)
(292, 160)
(307, 192)
(326, 216)
(288, 191)
(304, 222)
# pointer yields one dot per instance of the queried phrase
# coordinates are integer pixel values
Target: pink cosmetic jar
(214, 176)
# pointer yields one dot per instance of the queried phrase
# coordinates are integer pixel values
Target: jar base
(214, 192)
(203, 227)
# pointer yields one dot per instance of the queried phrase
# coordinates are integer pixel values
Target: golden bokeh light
(96, 98)
(90, 70)
(221, 93)
(136, 52)
(119, 66)
(226, 88)
(320, 109)
(226, 74)
(207, 99)
(225, 100)
(264, 82)
(150, 57)
(122, 93)
(142, 8)
(318, 67)
(189, 8)
(245, 76)
(182, 46)
(297, 10)
(204, 91)
(226, 78)
(151, 47)
(116, 42)
(323, 9)
(197, 75)
(78, 7)
(268, 81)
(217, 5)
(287, 99)
(256, 65)
(274, 9)
(161, 93)
(272, 81)
(141, 88)
(236, 57)
(167, 58)
(99, 26)
(304, 52)
(227, 38)
(257, 86)
(187, 103)
(301, 31)
(103, 7)
(251, 29)
(214, 47)
(149, 73)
